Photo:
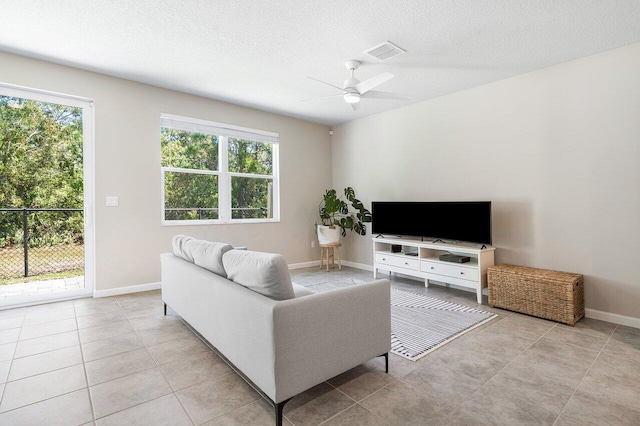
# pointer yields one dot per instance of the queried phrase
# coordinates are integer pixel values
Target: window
(217, 173)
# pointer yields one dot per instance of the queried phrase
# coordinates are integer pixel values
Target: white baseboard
(614, 318)
(358, 265)
(316, 263)
(126, 290)
(304, 264)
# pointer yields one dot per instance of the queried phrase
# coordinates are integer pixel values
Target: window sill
(216, 222)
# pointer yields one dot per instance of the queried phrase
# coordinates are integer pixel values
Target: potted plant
(339, 213)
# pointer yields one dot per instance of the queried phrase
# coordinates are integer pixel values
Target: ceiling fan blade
(321, 98)
(328, 84)
(355, 106)
(365, 86)
(375, 94)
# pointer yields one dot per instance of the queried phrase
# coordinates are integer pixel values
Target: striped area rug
(419, 324)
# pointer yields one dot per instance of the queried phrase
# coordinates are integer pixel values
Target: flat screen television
(454, 220)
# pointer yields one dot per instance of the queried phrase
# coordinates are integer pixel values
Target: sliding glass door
(46, 196)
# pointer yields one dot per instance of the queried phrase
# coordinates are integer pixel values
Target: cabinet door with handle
(401, 261)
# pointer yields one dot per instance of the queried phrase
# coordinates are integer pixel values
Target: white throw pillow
(205, 254)
(264, 273)
(180, 248)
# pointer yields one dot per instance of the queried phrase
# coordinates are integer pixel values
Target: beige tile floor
(119, 361)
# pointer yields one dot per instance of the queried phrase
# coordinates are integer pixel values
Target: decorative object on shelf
(339, 213)
(448, 257)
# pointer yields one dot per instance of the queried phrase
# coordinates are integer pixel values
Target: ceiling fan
(354, 89)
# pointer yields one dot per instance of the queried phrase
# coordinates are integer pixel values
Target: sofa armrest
(318, 337)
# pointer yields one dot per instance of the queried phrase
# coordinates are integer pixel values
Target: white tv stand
(426, 264)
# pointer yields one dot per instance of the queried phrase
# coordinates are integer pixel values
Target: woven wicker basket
(558, 296)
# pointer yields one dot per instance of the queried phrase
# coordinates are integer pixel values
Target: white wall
(557, 151)
(129, 238)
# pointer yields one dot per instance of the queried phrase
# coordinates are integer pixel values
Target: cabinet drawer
(399, 261)
(448, 270)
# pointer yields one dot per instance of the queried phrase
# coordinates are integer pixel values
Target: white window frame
(223, 132)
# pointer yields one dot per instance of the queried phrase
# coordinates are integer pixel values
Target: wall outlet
(313, 244)
(112, 201)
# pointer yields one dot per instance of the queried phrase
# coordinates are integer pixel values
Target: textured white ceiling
(259, 53)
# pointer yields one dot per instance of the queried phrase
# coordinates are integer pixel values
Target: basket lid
(540, 273)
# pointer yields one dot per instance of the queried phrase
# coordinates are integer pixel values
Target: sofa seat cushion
(205, 254)
(264, 273)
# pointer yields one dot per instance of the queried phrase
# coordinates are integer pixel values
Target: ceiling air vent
(384, 51)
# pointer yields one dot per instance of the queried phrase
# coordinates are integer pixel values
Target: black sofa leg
(386, 362)
(165, 309)
(278, 408)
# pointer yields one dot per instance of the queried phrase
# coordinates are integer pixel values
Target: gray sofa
(283, 346)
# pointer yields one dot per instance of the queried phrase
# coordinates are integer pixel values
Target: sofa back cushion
(264, 273)
(205, 254)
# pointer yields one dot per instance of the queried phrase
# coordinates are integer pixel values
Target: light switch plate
(112, 201)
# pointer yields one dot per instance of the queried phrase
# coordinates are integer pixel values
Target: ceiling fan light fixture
(351, 98)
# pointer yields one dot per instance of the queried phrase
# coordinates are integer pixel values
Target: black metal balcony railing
(201, 212)
(40, 241)
(36, 242)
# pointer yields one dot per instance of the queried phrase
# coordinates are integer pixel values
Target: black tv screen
(455, 220)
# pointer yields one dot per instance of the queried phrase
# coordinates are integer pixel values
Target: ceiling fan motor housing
(352, 65)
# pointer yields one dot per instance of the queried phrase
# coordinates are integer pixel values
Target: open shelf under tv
(428, 266)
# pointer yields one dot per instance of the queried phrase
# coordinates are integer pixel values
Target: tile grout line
(84, 367)
(585, 375)
(45, 372)
(94, 416)
(359, 403)
(35, 375)
(341, 411)
(385, 386)
(173, 392)
(43, 400)
(4, 385)
(338, 413)
(355, 402)
(109, 356)
(556, 325)
(143, 347)
(235, 409)
(233, 371)
(498, 372)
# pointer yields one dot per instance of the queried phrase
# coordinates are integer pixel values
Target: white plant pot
(327, 235)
